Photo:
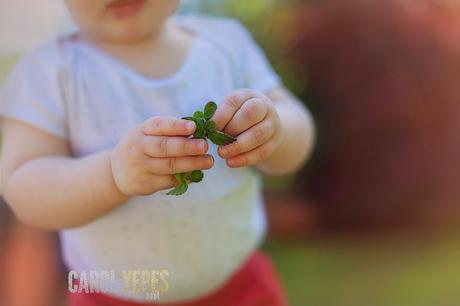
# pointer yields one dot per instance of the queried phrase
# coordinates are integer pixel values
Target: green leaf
(180, 177)
(198, 114)
(200, 132)
(196, 176)
(209, 110)
(181, 187)
(220, 138)
(210, 125)
(205, 128)
(179, 190)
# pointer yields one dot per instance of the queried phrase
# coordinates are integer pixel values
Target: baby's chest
(100, 113)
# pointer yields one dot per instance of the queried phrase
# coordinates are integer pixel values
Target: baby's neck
(158, 56)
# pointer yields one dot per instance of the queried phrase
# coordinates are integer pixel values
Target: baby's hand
(148, 155)
(253, 119)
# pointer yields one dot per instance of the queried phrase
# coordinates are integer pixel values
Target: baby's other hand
(147, 157)
(252, 118)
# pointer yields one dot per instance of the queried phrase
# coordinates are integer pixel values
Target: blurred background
(373, 218)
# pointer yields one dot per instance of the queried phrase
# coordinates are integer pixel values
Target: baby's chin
(133, 28)
(121, 33)
(128, 37)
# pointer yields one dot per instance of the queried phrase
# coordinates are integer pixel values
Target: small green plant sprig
(205, 129)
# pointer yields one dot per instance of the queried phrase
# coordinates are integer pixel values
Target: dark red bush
(386, 77)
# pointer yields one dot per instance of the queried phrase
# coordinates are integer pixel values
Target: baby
(92, 140)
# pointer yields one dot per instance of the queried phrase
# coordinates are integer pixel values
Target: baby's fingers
(152, 183)
(249, 140)
(163, 182)
(172, 165)
(230, 106)
(164, 146)
(250, 113)
(253, 157)
(168, 126)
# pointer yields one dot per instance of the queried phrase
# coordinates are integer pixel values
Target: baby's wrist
(114, 183)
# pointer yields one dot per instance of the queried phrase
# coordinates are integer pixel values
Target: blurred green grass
(347, 273)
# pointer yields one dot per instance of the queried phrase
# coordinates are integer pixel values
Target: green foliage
(353, 271)
(181, 187)
(183, 180)
(205, 129)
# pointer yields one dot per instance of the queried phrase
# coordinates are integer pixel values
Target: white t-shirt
(77, 92)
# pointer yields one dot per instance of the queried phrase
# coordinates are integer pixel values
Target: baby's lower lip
(125, 8)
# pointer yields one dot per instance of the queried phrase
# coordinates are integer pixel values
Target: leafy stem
(205, 129)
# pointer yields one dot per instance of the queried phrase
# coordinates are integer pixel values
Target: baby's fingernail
(211, 160)
(190, 125)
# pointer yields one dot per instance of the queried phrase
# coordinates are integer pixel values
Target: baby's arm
(275, 131)
(298, 134)
(48, 188)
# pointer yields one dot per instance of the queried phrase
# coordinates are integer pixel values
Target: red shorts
(255, 284)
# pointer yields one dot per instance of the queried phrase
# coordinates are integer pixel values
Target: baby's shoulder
(228, 36)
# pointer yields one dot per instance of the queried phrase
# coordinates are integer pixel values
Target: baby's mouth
(125, 8)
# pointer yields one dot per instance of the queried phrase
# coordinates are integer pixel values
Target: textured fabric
(79, 93)
(255, 284)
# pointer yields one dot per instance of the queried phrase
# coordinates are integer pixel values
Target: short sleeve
(255, 70)
(32, 92)
(249, 65)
